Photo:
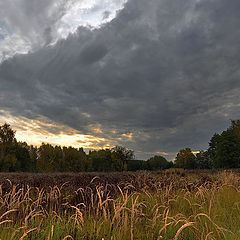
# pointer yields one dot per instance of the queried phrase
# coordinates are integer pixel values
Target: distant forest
(223, 152)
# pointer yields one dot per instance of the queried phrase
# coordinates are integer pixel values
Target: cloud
(165, 73)
(28, 26)
(31, 19)
(36, 132)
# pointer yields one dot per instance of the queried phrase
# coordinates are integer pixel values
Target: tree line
(20, 157)
(223, 152)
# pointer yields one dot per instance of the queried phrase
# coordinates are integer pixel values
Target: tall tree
(24, 163)
(121, 156)
(101, 160)
(7, 148)
(7, 135)
(203, 160)
(74, 160)
(58, 159)
(33, 152)
(185, 159)
(224, 150)
(235, 127)
(46, 158)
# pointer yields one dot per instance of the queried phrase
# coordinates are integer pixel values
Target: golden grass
(150, 206)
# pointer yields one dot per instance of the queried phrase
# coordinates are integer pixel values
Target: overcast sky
(154, 76)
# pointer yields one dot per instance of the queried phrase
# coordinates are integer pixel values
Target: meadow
(171, 204)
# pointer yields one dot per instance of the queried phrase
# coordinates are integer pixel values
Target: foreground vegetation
(171, 204)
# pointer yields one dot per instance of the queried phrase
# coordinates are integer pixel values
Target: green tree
(203, 160)
(46, 158)
(120, 157)
(74, 160)
(157, 163)
(235, 127)
(24, 162)
(58, 159)
(101, 160)
(33, 153)
(85, 163)
(224, 150)
(185, 159)
(7, 135)
(135, 165)
(7, 148)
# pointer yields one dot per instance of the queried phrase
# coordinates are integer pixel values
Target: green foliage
(235, 127)
(203, 160)
(7, 135)
(45, 161)
(7, 149)
(74, 160)
(186, 159)
(121, 156)
(157, 163)
(224, 148)
(24, 162)
(223, 152)
(18, 156)
(101, 160)
(33, 153)
(106, 160)
(57, 159)
(135, 165)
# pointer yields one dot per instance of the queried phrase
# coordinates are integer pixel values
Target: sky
(154, 76)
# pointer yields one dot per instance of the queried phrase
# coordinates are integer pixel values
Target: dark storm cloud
(93, 53)
(167, 71)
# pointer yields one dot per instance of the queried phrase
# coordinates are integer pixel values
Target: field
(172, 204)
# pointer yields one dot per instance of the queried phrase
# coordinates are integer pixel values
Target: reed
(144, 205)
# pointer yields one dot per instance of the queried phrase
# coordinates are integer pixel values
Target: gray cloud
(33, 20)
(168, 72)
(28, 25)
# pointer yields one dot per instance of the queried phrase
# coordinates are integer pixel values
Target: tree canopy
(224, 148)
(185, 159)
(223, 152)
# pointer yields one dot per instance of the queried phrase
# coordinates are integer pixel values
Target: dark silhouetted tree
(7, 149)
(74, 160)
(157, 163)
(46, 158)
(120, 157)
(224, 150)
(33, 153)
(101, 160)
(235, 127)
(23, 160)
(135, 165)
(203, 160)
(185, 159)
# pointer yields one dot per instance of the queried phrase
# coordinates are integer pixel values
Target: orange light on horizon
(162, 153)
(195, 152)
(35, 132)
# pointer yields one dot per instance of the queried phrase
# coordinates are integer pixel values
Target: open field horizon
(110, 110)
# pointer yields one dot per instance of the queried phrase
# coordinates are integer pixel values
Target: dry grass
(143, 205)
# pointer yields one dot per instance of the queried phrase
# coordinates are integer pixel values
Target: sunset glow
(36, 132)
